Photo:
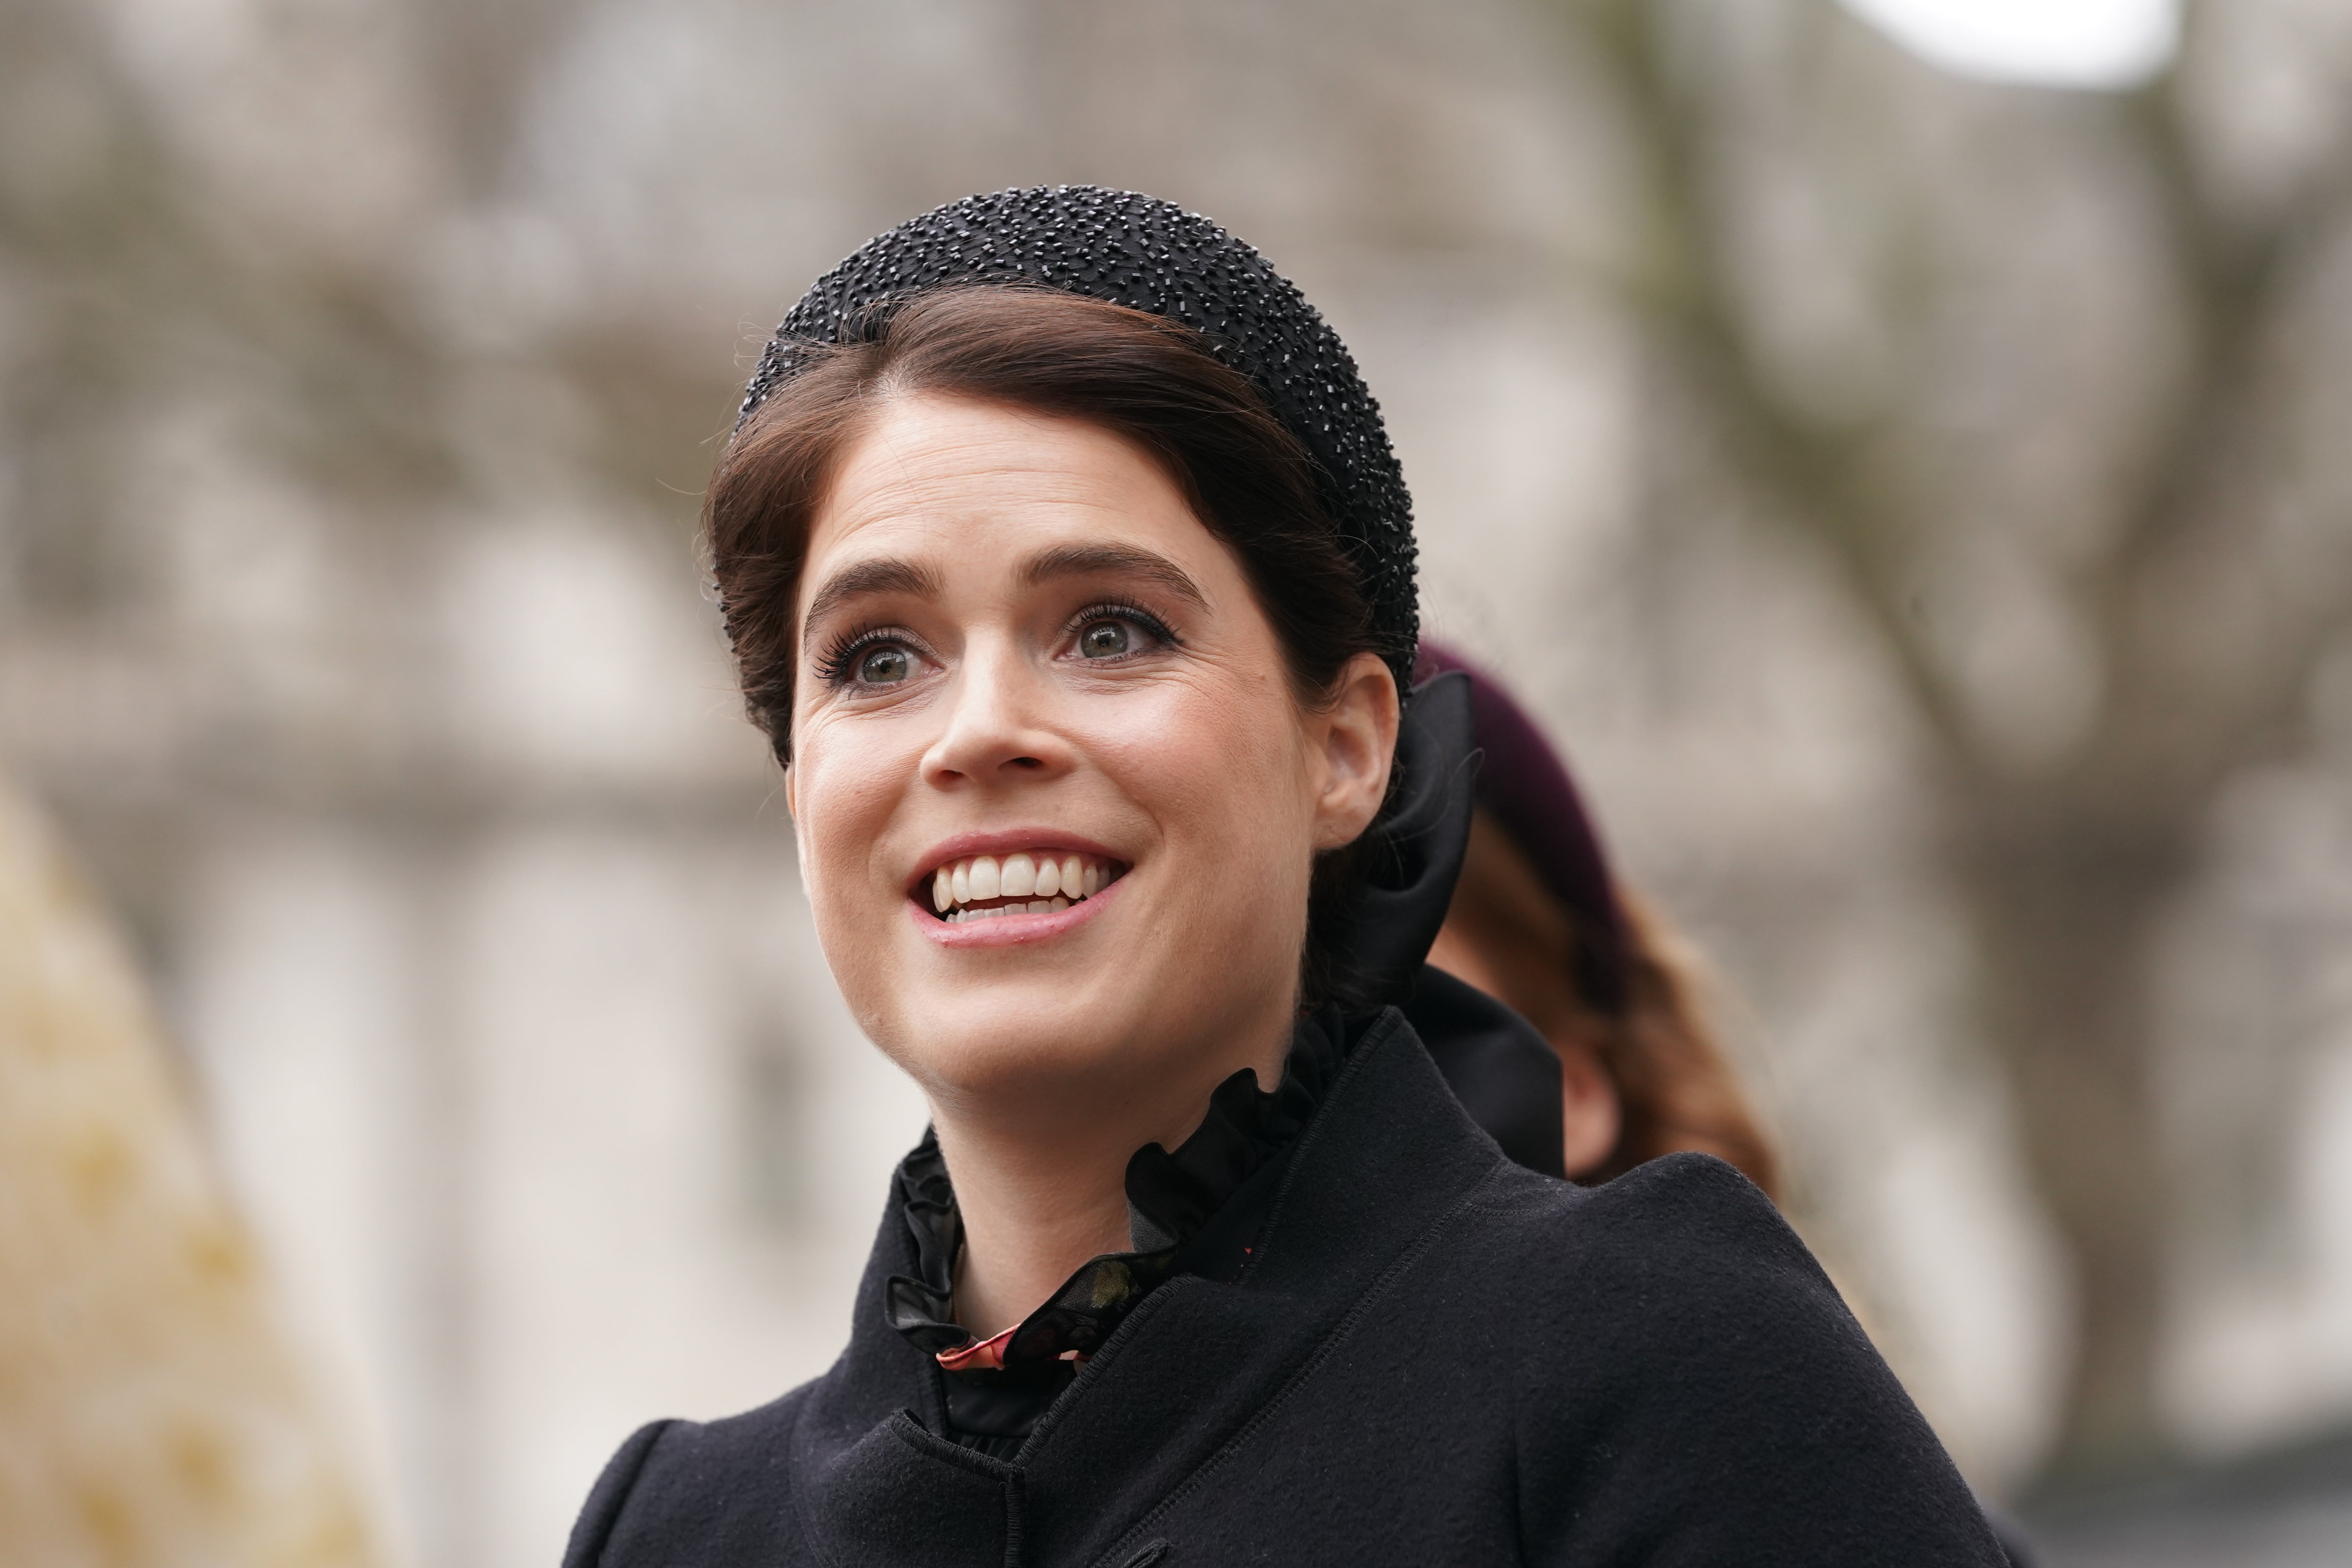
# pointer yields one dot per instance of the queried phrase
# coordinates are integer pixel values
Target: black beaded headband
(1154, 257)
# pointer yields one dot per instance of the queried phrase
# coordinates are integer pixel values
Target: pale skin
(1015, 631)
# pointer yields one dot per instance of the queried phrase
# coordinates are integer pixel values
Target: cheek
(843, 795)
(1217, 767)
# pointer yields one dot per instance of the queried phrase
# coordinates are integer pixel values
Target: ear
(1352, 746)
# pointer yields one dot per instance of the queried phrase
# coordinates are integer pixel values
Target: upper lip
(1005, 841)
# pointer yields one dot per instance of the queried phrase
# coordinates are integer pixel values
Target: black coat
(1437, 1357)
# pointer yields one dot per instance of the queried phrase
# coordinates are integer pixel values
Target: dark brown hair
(1156, 382)
(1675, 1085)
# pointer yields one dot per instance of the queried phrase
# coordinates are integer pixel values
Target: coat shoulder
(679, 1493)
(1685, 1220)
(1736, 1406)
(1678, 1282)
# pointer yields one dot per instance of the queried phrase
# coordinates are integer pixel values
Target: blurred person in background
(1538, 921)
(1070, 573)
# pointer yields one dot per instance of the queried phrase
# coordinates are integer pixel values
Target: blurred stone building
(359, 365)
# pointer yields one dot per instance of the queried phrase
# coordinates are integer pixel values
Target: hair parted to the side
(1155, 381)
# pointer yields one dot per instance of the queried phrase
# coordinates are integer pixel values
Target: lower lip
(1010, 931)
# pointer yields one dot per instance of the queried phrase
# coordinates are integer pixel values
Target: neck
(1030, 1217)
(1041, 1195)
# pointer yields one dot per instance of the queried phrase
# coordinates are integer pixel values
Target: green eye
(1105, 639)
(885, 666)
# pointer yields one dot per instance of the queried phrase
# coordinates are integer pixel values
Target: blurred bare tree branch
(2069, 854)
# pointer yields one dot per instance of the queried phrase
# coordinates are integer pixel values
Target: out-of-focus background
(1904, 448)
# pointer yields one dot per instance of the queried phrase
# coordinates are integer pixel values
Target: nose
(998, 729)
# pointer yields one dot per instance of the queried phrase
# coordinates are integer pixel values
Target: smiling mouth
(984, 886)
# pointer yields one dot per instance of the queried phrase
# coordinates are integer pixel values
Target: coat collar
(1177, 1205)
(1387, 1153)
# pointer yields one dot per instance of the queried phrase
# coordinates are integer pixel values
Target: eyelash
(1122, 610)
(836, 665)
(841, 659)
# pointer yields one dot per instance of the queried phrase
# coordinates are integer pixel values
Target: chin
(996, 1052)
(1075, 1012)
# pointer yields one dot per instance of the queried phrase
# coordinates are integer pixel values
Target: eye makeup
(1122, 610)
(837, 666)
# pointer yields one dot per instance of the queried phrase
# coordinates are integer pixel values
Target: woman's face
(1056, 803)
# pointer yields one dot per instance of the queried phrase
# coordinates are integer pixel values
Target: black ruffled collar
(1175, 1219)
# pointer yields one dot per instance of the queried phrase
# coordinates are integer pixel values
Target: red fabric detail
(982, 1355)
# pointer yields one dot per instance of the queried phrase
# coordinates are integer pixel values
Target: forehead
(975, 484)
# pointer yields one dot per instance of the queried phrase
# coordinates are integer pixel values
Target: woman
(1068, 569)
(1537, 921)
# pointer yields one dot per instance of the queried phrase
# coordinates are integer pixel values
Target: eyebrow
(1096, 560)
(888, 575)
(867, 577)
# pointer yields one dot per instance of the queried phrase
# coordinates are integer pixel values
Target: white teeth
(1029, 881)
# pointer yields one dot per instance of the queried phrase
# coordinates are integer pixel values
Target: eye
(1107, 634)
(873, 660)
(885, 666)
(1105, 639)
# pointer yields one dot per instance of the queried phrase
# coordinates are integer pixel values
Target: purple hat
(1524, 786)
